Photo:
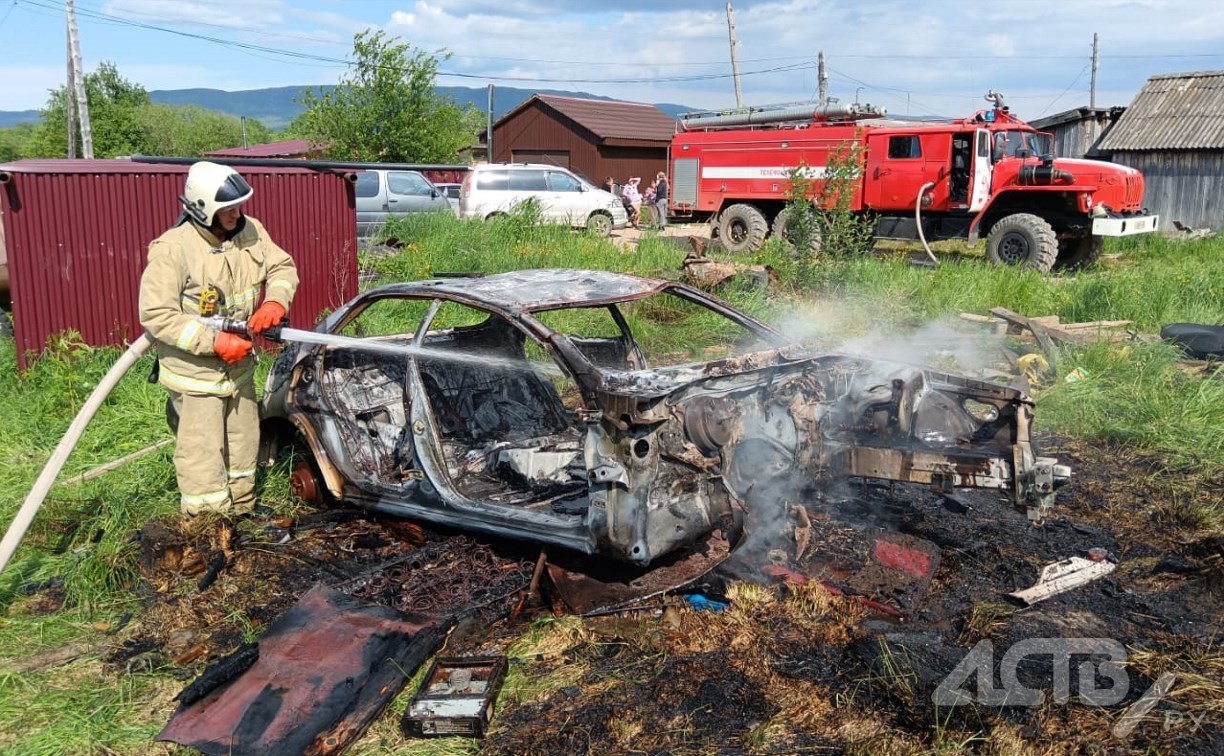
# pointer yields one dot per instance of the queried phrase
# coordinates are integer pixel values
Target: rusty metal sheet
(598, 586)
(326, 668)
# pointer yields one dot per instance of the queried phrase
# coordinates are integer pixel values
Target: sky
(917, 57)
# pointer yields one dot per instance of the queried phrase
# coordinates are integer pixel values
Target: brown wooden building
(596, 138)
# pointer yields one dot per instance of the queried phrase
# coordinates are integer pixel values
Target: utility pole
(735, 75)
(823, 78)
(78, 83)
(69, 97)
(489, 128)
(1096, 59)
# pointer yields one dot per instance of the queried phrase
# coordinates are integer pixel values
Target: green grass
(1134, 394)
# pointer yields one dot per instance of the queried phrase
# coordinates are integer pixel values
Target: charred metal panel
(77, 234)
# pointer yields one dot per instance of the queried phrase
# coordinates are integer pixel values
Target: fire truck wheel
(1078, 252)
(1023, 239)
(742, 228)
(815, 243)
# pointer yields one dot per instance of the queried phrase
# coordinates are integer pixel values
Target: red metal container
(76, 234)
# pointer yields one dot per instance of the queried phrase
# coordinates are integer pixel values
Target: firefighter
(214, 261)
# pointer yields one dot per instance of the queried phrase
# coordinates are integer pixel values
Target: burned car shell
(644, 461)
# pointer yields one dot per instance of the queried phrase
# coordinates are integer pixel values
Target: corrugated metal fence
(77, 235)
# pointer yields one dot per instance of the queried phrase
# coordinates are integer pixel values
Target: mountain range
(277, 106)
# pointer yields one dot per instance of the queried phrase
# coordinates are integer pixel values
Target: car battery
(455, 698)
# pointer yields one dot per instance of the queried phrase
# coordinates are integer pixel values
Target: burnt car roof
(539, 289)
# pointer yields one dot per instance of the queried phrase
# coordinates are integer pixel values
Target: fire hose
(918, 220)
(46, 479)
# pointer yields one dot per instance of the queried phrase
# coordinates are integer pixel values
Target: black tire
(599, 224)
(1023, 239)
(781, 221)
(6, 325)
(1078, 252)
(742, 228)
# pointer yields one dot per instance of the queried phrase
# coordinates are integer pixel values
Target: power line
(304, 58)
(1074, 81)
(300, 56)
(7, 12)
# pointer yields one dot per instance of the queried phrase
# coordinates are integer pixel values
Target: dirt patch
(786, 668)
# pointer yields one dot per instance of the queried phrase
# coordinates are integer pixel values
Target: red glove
(231, 347)
(268, 315)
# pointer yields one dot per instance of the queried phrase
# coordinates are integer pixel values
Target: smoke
(947, 344)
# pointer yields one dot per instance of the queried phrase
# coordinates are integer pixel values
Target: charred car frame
(553, 406)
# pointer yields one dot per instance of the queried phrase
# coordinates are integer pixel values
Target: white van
(382, 193)
(496, 188)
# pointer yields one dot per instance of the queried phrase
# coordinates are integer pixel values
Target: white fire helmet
(212, 187)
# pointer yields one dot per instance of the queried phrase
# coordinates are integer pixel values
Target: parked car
(451, 192)
(563, 197)
(386, 193)
(551, 406)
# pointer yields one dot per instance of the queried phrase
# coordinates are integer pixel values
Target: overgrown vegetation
(843, 232)
(1133, 395)
(386, 109)
(124, 121)
(819, 221)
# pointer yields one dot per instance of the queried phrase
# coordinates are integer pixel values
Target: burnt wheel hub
(304, 484)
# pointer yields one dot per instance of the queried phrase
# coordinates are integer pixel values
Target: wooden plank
(1039, 331)
(975, 318)
(1093, 325)
(101, 470)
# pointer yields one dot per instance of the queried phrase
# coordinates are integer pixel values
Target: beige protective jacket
(182, 263)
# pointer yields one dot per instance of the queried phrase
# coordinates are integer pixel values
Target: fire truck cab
(989, 174)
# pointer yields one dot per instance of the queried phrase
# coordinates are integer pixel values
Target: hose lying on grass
(46, 478)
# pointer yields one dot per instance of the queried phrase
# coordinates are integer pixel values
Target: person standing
(648, 201)
(662, 191)
(634, 198)
(213, 262)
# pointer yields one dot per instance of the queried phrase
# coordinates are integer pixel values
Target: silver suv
(383, 193)
(563, 197)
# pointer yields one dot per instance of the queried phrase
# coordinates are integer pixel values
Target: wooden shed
(1173, 132)
(1077, 131)
(596, 138)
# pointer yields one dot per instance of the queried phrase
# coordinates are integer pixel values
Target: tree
(113, 102)
(190, 130)
(15, 142)
(386, 109)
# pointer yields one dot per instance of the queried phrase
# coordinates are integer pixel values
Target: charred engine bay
(789, 666)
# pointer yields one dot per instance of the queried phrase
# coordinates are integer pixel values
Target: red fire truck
(990, 174)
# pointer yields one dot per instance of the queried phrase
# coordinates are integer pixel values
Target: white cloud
(936, 56)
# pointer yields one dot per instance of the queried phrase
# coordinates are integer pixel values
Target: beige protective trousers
(216, 449)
